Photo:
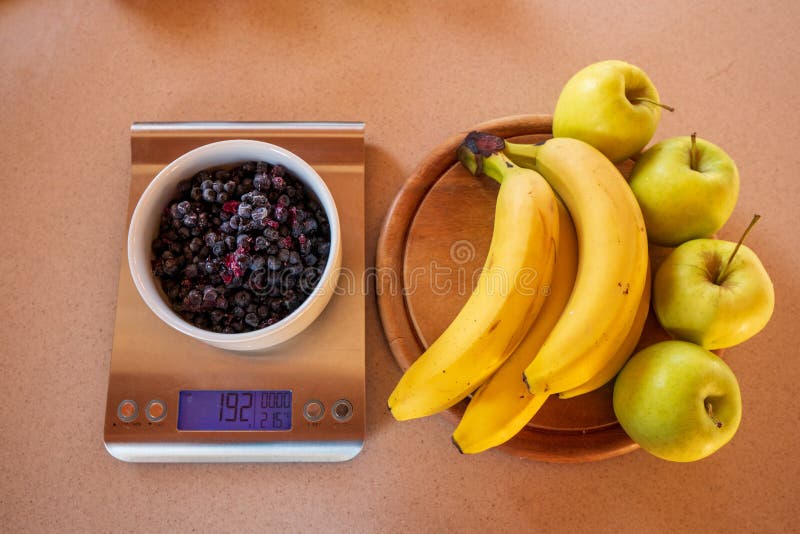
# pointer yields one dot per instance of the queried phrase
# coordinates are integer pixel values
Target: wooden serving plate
(431, 249)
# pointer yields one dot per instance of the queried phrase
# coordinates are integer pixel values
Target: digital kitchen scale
(174, 399)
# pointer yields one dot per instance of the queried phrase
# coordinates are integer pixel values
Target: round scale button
(156, 410)
(342, 410)
(313, 410)
(128, 410)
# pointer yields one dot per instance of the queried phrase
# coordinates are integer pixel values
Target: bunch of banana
(591, 252)
(506, 301)
(600, 296)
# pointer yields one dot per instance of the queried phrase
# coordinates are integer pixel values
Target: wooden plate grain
(432, 246)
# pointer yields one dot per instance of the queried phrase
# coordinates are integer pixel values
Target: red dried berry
(231, 206)
(232, 265)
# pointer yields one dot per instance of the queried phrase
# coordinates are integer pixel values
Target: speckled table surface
(76, 75)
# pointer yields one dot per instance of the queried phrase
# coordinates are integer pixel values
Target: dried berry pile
(240, 249)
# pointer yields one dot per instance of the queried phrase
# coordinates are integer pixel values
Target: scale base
(323, 367)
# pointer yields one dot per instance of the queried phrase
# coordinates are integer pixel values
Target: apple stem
(721, 275)
(659, 104)
(710, 410)
(693, 152)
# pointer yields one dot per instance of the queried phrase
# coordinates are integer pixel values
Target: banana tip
(458, 447)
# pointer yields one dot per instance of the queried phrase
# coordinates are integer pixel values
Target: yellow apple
(713, 292)
(612, 105)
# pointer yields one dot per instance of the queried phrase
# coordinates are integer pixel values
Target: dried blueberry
(243, 241)
(217, 316)
(309, 226)
(209, 195)
(261, 181)
(278, 183)
(251, 319)
(258, 263)
(281, 213)
(273, 263)
(242, 299)
(257, 281)
(218, 248)
(191, 271)
(209, 296)
(260, 214)
(210, 238)
(297, 228)
(244, 209)
(194, 298)
(195, 244)
(271, 234)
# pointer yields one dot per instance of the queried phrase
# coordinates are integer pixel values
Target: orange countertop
(75, 75)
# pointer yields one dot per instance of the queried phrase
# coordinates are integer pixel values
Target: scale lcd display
(226, 410)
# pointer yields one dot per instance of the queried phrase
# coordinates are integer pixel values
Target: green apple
(612, 105)
(712, 292)
(678, 401)
(686, 187)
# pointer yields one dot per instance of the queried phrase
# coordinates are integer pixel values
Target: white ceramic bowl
(144, 228)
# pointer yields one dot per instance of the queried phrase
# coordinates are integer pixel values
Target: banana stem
(721, 275)
(523, 155)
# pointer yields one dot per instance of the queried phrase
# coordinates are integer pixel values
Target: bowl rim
(173, 173)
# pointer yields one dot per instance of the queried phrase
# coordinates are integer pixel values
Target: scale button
(313, 410)
(127, 410)
(156, 410)
(342, 410)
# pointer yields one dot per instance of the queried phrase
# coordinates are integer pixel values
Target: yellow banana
(504, 304)
(502, 406)
(612, 262)
(612, 367)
